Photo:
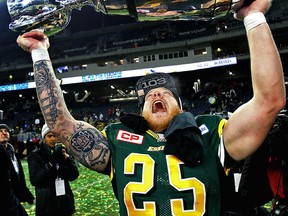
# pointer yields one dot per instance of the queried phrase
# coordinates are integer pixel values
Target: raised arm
(249, 124)
(85, 142)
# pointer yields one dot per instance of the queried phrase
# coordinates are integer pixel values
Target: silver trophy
(52, 16)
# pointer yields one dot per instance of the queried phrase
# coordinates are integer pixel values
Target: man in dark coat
(12, 179)
(51, 168)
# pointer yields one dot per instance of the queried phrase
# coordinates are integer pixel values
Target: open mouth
(158, 106)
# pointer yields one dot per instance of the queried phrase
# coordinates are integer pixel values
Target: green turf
(93, 194)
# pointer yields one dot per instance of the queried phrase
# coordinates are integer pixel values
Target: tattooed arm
(85, 142)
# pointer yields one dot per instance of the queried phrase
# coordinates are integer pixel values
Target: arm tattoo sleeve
(90, 147)
(47, 91)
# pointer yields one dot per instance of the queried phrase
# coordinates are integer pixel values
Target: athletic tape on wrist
(40, 54)
(253, 20)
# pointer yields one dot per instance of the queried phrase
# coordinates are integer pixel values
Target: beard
(160, 124)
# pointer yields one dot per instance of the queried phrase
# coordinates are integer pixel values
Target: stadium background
(103, 42)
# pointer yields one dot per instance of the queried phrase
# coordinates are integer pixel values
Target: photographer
(264, 176)
(51, 168)
(277, 170)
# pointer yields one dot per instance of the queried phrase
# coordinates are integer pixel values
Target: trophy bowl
(52, 16)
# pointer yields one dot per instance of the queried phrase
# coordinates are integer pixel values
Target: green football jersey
(146, 181)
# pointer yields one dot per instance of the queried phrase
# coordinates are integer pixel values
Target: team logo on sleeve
(204, 129)
(126, 136)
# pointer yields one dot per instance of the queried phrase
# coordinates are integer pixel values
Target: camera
(59, 146)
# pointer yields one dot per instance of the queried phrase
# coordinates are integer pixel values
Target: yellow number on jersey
(147, 183)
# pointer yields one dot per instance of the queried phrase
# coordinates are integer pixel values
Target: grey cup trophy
(52, 16)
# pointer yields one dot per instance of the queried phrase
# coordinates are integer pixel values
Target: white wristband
(39, 54)
(253, 20)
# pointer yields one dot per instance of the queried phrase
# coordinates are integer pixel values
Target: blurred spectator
(12, 180)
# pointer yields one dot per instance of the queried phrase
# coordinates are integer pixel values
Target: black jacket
(43, 177)
(12, 185)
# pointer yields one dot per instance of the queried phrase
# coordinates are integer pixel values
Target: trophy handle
(242, 3)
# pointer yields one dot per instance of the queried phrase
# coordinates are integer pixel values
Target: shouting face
(159, 108)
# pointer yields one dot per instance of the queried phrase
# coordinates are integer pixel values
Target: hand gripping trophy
(54, 15)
